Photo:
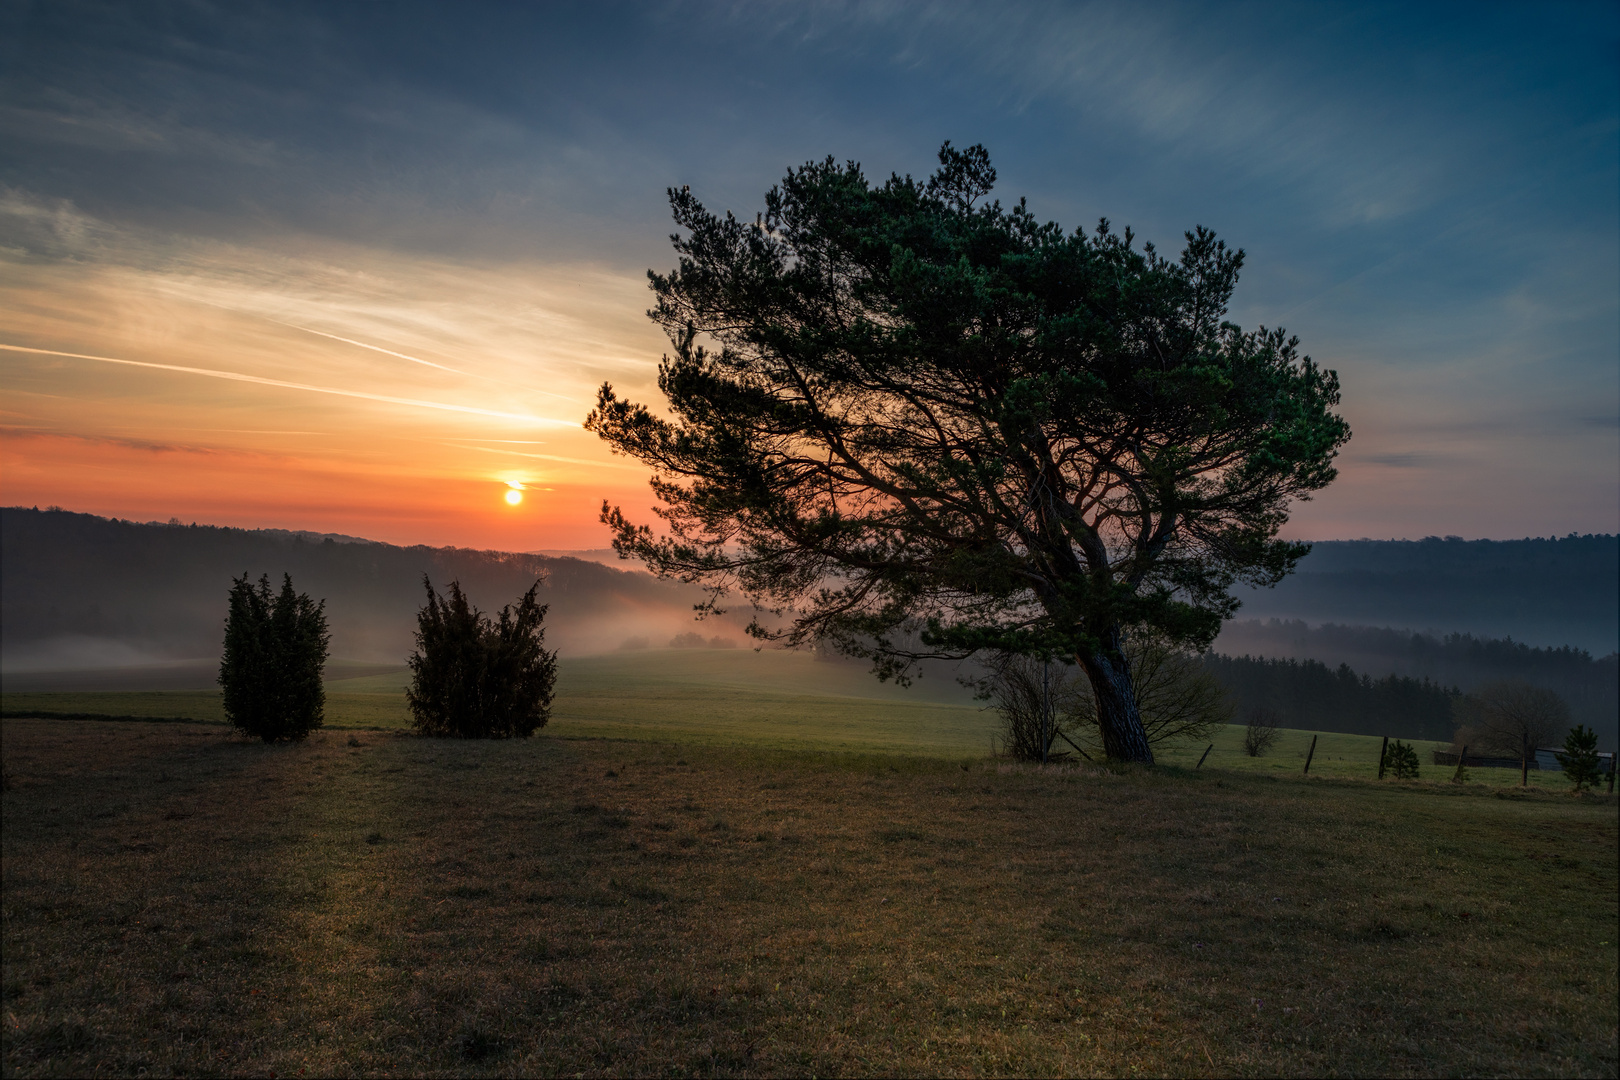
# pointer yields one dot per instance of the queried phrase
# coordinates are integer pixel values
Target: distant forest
(1590, 685)
(1309, 694)
(1545, 591)
(87, 591)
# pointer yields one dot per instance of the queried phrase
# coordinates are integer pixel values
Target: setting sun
(513, 496)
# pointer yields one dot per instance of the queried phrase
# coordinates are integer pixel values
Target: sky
(360, 268)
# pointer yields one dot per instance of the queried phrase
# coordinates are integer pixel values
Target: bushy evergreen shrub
(1401, 761)
(477, 678)
(270, 669)
(1582, 766)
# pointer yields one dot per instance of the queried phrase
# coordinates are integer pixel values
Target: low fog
(85, 593)
(93, 603)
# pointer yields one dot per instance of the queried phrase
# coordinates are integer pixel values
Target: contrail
(549, 457)
(414, 359)
(378, 348)
(234, 376)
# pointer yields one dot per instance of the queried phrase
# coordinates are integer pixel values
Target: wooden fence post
(1462, 757)
(1383, 755)
(1524, 760)
(1211, 746)
(1611, 772)
(1310, 754)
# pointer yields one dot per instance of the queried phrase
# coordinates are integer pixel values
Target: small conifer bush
(1582, 766)
(473, 677)
(1401, 760)
(270, 669)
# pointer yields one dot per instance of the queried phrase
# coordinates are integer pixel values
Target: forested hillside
(1545, 592)
(111, 592)
(1591, 685)
(1309, 694)
(89, 592)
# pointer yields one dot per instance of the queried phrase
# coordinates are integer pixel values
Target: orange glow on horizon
(337, 390)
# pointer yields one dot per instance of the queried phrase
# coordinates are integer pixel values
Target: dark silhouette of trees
(1310, 695)
(270, 669)
(930, 425)
(1401, 761)
(477, 678)
(1042, 702)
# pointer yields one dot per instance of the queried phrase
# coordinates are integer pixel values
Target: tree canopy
(925, 424)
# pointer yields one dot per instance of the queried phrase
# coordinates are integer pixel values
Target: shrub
(1261, 734)
(1402, 760)
(1178, 699)
(1582, 765)
(477, 678)
(270, 669)
(1035, 702)
(688, 640)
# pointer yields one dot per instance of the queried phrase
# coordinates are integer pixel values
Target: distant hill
(1545, 592)
(82, 591)
(1591, 685)
(87, 592)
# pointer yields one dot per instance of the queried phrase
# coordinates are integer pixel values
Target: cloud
(305, 197)
(107, 440)
(1409, 460)
(236, 376)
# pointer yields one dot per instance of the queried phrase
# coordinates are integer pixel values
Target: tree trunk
(1124, 738)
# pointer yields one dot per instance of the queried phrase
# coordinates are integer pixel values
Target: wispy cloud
(236, 376)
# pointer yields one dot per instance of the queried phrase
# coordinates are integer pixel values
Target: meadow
(766, 700)
(716, 862)
(178, 900)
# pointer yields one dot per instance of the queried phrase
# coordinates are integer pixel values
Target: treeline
(1590, 686)
(1309, 694)
(76, 581)
(1551, 590)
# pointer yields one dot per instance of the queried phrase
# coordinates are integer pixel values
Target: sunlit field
(180, 900)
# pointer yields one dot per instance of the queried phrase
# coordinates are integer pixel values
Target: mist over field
(1545, 592)
(83, 592)
(95, 603)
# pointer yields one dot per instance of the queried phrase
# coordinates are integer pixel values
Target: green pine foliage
(473, 677)
(270, 670)
(1582, 766)
(1401, 761)
(932, 425)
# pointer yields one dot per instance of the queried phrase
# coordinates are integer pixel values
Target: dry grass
(176, 901)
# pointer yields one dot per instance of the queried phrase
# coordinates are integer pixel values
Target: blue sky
(1427, 195)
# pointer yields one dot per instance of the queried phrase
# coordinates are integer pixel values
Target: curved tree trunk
(1124, 738)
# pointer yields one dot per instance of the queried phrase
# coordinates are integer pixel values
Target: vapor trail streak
(551, 457)
(379, 348)
(234, 376)
(414, 359)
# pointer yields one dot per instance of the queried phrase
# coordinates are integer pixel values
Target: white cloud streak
(236, 376)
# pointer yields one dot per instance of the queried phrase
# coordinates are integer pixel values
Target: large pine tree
(925, 424)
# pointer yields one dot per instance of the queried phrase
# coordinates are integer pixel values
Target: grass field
(177, 900)
(767, 700)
